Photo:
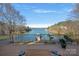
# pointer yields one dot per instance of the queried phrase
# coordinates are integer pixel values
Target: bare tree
(12, 18)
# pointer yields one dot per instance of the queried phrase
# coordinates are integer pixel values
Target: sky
(44, 14)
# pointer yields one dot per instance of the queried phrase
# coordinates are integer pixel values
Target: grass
(3, 37)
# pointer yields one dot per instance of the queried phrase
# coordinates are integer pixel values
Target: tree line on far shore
(19, 29)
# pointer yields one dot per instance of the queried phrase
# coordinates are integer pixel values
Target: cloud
(43, 11)
(38, 25)
(69, 10)
(51, 11)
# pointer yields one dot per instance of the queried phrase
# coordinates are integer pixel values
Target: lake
(30, 36)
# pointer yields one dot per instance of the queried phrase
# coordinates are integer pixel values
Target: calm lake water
(30, 36)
